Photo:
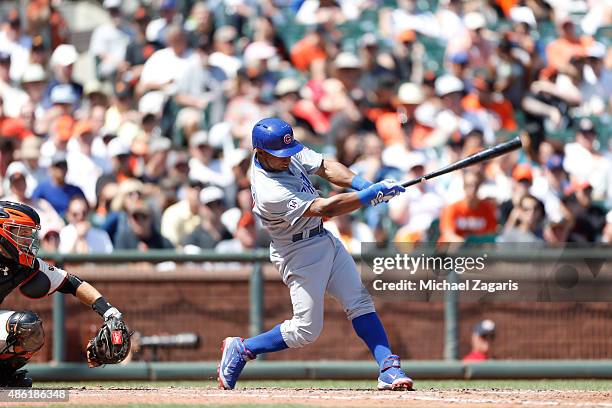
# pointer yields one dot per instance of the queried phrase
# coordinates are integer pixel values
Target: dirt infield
(430, 398)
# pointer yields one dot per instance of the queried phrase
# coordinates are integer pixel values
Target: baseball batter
(310, 260)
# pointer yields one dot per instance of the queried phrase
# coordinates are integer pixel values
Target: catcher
(21, 332)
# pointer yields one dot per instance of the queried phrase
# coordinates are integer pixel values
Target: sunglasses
(139, 216)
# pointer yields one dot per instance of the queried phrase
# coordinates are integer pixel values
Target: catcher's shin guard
(23, 335)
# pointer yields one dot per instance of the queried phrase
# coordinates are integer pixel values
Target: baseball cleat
(233, 359)
(392, 377)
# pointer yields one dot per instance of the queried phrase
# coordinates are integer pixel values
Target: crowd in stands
(152, 150)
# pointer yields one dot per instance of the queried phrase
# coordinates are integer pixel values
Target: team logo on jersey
(292, 204)
(288, 138)
(116, 337)
(306, 184)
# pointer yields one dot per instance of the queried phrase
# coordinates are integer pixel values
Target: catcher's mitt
(111, 345)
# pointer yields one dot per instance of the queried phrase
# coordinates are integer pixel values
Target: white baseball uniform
(310, 260)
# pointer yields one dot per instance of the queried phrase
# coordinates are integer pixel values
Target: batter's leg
(346, 286)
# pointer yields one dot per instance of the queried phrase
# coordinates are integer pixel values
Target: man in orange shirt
(483, 97)
(470, 216)
(560, 51)
(309, 49)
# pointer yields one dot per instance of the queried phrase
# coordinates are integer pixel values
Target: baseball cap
(14, 168)
(523, 15)
(522, 172)
(211, 194)
(83, 127)
(596, 50)
(33, 73)
(30, 148)
(448, 84)
(225, 34)
(199, 138)
(555, 162)
(5, 56)
(485, 328)
(410, 94)
(117, 147)
(586, 125)
(159, 144)
(237, 156)
(111, 4)
(286, 86)
(459, 58)
(167, 4)
(63, 94)
(64, 55)
(368, 40)
(474, 20)
(347, 60)
(407, 36)
(58, 158)
(258, 50)
(62, 127)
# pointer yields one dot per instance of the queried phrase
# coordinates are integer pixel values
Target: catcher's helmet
(275, 136)
(19, 226)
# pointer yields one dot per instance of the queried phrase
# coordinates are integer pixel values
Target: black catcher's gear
(111, 345)
(19, 226)
(25, 333)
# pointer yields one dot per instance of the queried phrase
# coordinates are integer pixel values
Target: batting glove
(380, 192)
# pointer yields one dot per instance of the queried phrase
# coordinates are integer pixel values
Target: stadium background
(336, 72)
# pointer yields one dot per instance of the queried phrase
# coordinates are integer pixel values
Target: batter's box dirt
(338, 397)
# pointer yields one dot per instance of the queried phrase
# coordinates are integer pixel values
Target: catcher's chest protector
(12, 275)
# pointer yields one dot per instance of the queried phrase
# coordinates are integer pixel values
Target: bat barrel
(484, 155)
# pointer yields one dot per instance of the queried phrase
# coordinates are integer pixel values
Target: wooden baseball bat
(481, 156)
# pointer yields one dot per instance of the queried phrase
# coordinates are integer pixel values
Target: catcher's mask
(19, 226)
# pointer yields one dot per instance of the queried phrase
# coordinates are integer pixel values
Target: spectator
(223, 55)
(484, 96)
(83, 165)
(62, 63)
(16, 43)
(211, 230)
(350, 231)
(162, 70)
(245, 237)
(140, 231)
(550, 186)
(584, 163)
(109, 41)
(28, 155)
(79, 236)
(561, 51)
(139, 49)
(522, 176)
(8, 92)
(607, 232)
(525, 222)
(418, 208)
(56, 191)
(34, 82)
(158, 29)
(180, 219)
(60, 132)
(596, 85)
(470, 217)
(200, 25)
(16, 174)
(119, 154)
(203, 166)
(590, 218)
(481, 342)
(200, 93)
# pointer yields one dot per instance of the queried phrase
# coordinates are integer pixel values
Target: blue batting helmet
(275, 136)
